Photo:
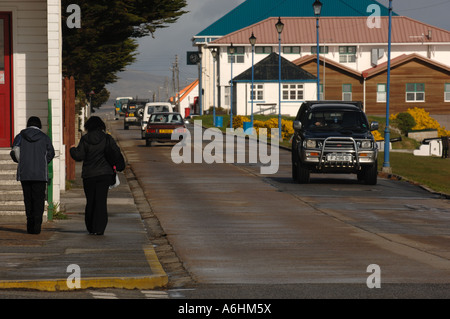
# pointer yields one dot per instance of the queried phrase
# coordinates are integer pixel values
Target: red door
(6, 105)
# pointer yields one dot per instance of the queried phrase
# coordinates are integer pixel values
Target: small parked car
(150, 108)
(161, 125)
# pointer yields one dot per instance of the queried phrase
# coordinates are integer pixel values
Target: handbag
(15, 152)
(113, 155)
(115, 158)
(115, 181)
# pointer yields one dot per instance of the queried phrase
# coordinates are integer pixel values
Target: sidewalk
(122, 258)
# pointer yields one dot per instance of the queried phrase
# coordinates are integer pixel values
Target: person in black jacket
(97, 173)
(36, 152)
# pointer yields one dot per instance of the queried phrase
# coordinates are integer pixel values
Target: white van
(153, 107)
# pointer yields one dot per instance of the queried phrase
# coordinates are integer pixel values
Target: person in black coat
(97, 173)
(36, 152)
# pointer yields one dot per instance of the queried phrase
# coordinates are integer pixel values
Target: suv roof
(312, 104)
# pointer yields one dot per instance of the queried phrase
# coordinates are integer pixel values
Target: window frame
(293, 92)
(322, 49)
(344, 52)
(379, 100)
(259, 91)
(264, 49)
(446, 91)
(238, 56)
(344, 92)
(415, 93)
(290, 50)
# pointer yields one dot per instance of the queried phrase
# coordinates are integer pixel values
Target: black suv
(134, 112)
(334, 137)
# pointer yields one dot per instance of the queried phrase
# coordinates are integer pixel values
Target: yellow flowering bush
(377, 136)
(287, 128)
(238, 121)
(424, 121)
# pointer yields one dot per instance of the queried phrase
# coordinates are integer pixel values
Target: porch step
(11, 196)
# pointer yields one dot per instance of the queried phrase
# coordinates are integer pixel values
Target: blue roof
(253, 11)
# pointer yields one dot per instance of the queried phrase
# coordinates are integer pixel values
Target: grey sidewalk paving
(122, 258)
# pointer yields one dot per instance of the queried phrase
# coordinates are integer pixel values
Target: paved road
(230, 225)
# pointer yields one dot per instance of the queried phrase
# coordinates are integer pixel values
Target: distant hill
(136, 83)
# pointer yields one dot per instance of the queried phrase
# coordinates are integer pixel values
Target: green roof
(253, 11)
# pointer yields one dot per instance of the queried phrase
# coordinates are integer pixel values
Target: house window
(322, 50)
(447, 92)
(291, 50)
(227, 95)
(258, 91)
(346, 92)
(415, 92)
(263, 50)
(347, 54)
(293, 92)
(381, 92)
(238, 56)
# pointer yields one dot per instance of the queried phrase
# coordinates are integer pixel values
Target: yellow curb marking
(157, 280)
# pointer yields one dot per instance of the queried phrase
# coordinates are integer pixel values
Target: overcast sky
(157, 55)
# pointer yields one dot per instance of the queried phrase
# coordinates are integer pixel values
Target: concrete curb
(159, 279)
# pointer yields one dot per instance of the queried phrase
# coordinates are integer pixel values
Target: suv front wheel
(369, 174)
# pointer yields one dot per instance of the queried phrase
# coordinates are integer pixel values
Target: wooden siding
(414, 71)
(334, 79)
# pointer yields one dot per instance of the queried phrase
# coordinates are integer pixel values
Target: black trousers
(96, 211)
(34, 199)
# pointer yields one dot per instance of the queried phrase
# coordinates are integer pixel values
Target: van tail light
(151, 130)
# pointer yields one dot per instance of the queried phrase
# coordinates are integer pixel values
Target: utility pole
(178, 83)
(166, 87)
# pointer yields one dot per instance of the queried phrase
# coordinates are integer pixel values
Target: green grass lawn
(431, 171)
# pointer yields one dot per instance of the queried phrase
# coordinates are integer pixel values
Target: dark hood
(342, 133)
(95, 137)
(32, 134)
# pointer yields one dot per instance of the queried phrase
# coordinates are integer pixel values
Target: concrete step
(12, 206)
(8, 165)
(11, 195)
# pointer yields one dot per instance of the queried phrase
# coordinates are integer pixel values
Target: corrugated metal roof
(339, 30)
(253, 11)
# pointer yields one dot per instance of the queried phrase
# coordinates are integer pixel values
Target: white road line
(103, 295)
(152, 294)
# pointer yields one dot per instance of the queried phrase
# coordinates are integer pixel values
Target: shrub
(377, 136)
(424, 121)
(238, 121)
(405, 122)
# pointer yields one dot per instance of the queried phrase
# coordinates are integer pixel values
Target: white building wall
(437, 52)
(54, 46)
(271, 98)
(37, 71)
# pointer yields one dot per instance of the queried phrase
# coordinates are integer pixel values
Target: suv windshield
(337, 120)
(166, 118)
(157, 108)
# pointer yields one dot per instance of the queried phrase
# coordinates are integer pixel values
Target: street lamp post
(214, 55)
(279, 26)
(231, 51)
(317, 10)
(386, 165)
(252, 40)
(200, 91)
